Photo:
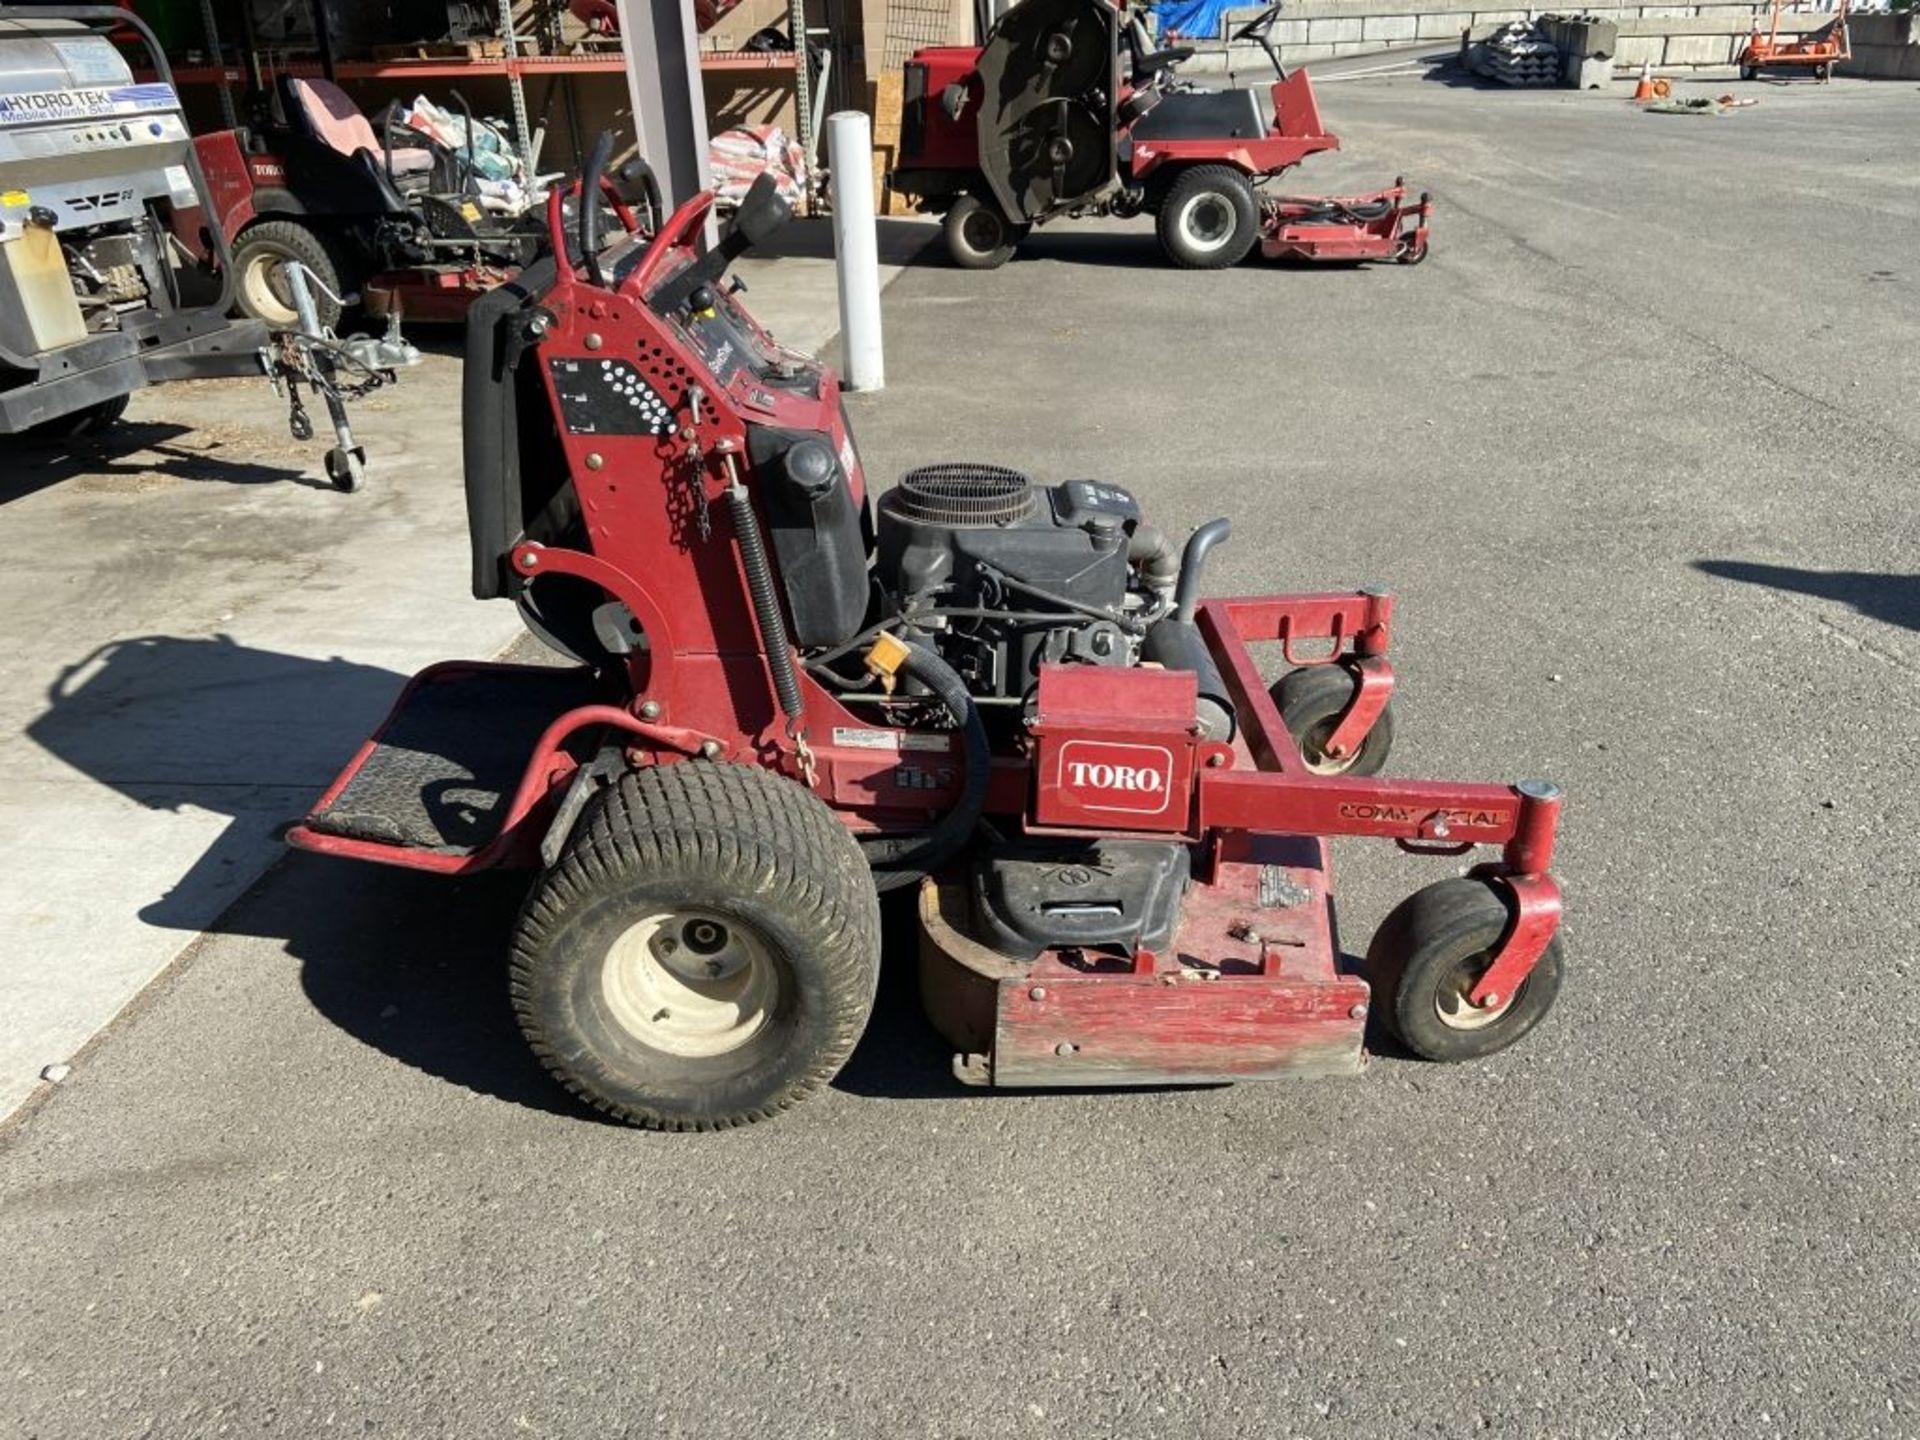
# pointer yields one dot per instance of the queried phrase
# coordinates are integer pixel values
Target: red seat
(337, 121)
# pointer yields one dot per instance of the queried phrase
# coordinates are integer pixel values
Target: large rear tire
(1209, 218)
(704, 954)
(260, 290)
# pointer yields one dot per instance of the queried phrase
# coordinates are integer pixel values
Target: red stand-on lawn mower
(387, 213)
(1010, 697)
(1068, 110)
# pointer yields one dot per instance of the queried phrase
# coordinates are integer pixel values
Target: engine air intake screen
(963, 495)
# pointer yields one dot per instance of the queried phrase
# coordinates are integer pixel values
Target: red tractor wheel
(1429, 954)
(704, 954)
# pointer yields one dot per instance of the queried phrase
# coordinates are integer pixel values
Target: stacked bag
(1520, 52)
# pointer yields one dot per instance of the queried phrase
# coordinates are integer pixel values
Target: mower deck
(1384, 225)
(1250, 989)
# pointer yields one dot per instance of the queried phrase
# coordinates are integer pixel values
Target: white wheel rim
(256, 287)
(1207, 222)
(1313, 752)
(1450, 1000)
(691, 983)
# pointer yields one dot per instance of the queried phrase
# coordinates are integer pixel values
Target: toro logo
(1102, 775)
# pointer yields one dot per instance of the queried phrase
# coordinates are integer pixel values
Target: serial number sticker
(178, 181)
(848, 738)
(90, 62)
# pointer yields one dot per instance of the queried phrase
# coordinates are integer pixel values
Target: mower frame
(1248, 981)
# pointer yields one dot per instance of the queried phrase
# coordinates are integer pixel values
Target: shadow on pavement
(209, 724)
(901, 1057)
(131, 449)
(1128, 250)
(409, 964)
(1891, 599)
(900, 240)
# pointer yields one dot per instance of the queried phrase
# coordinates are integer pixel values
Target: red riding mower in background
(1007, 696)
(1068, 110)
(390, 214)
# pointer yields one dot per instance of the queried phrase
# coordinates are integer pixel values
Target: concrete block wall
(1665, 36)
(1885, 47)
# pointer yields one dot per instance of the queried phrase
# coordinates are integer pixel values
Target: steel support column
(663, 80)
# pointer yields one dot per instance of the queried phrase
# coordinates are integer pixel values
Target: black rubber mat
(446, 770)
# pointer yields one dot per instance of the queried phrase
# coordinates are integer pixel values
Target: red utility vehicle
(387, 214)
(789, 698)
(1068, 110)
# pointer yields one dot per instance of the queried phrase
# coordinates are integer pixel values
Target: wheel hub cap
(1456, 1010)
(1208, 222)
(690, 982)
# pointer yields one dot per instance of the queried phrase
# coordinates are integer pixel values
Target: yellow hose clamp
(886, 657)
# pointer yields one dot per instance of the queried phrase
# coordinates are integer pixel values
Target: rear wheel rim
(263, 290)
(982, 232)
(690, 982)
(1208, 222)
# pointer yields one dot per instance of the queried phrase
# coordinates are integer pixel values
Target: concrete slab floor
(1636, 447)
(200, 632)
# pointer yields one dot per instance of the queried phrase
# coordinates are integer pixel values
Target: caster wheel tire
(1311, 701)
(1209, 218)
(1749, 72)
(704, 954)
(1430, 953)
(260, 291)
(978, 236)
(1412, 253)
(347, 470)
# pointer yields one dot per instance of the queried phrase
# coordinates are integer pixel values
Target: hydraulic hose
(1186, 594)
(766, 604)
(589, 224)
(907, 860)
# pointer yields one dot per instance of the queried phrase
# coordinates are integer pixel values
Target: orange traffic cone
(1644, 90)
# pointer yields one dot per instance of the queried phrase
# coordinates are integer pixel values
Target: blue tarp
(1194, 19)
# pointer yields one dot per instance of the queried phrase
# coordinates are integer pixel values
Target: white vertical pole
(856, 248)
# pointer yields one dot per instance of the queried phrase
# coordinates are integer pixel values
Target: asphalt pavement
(1637, 449)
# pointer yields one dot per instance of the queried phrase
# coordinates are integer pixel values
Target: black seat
(1150, 63)
(1203, 115)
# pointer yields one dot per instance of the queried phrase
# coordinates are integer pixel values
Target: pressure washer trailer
(98, 294)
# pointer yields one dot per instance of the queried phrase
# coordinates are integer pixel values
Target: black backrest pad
(498, 400)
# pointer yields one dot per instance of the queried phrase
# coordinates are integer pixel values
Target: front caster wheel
(347, 469)
(1311, 701)
(705, 952)
(1430, 953)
